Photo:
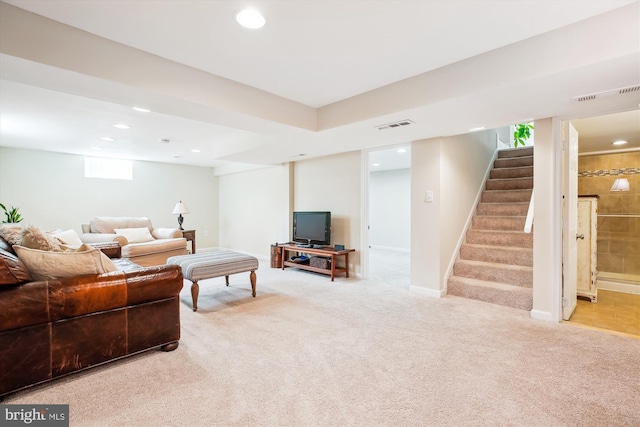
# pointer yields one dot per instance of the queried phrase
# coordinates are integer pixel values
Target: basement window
(97, 167)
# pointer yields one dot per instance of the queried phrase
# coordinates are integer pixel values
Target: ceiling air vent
(393, 125)
(592, 96)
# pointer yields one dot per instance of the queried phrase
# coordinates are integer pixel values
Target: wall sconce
(620, 184)
(180, 209)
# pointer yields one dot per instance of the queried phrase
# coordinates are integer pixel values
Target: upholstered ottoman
(207, 265)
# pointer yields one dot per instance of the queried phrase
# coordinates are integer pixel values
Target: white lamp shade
(180, 208)
(620, 184)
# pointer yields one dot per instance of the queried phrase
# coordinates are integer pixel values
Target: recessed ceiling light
(165, 141)
(121, 126)
(621, 142)
(96, 148)
(106, 138)
(376, 164)
(195, 151)
(477, 129)
(401, 150)
(177, 157)
(250, 18)
(141, 110)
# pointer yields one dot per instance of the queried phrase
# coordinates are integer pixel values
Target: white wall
(425, 217)
(51, 192)
(333, 183)
(547, 222)
(389, 213)
(454, 169)
(254, 209)
(464, 161)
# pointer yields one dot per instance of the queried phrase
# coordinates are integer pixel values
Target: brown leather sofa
(51, 328)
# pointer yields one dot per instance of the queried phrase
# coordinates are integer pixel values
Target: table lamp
(180, 209)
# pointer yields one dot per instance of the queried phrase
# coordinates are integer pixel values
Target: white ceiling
(316, 80)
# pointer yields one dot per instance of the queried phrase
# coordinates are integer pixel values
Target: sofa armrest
(90, 238)
(166, 233)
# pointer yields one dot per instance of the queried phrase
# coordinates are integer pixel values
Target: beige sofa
(140, 242)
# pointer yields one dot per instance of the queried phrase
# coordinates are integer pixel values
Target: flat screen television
(312, 228)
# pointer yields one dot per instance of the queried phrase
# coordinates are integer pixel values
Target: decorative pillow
(70, 238)
(107, 264)
(135, 235)
(12, 270)
(33, 238)
(45, 265)
(12, 233)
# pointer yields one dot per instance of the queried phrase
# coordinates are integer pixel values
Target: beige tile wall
(618, 236)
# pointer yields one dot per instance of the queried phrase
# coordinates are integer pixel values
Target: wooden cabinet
(587, 242)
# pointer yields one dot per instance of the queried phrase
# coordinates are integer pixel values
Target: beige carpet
(309, 352)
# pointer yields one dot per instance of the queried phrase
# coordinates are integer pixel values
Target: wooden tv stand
(325, 252)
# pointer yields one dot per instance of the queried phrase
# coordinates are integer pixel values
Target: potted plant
(521, 133)
(12, 214)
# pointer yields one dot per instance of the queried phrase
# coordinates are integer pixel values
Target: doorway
(389, 216)
(600, 164)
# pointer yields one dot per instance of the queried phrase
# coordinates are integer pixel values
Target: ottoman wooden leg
(226, 278)
(252, 277)
(195, 290)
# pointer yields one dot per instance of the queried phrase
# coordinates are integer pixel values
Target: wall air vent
(585, 98)
(593, 96)
(629, 89)
(393, 125)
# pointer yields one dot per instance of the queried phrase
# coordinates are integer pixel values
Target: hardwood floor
(615, 311)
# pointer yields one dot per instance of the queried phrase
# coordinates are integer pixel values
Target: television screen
(312, 228)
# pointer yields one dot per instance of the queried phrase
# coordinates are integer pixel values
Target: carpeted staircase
(496, 261)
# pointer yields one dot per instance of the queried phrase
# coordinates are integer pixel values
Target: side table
(190, 235)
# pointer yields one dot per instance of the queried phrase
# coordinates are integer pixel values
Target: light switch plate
(428, 196)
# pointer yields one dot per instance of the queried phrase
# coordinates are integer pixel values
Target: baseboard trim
(541, 315)
(434, 293)
(626, 288)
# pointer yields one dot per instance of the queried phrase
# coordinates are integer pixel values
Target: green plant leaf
(12, 214)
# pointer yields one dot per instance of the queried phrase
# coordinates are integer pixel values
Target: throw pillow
(12, 233)
(107, 264)
(46, 265)
(135, 235)
(34, 238)
(70, 238)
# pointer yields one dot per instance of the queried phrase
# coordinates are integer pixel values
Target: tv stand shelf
(325, 252)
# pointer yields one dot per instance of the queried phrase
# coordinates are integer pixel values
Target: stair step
(497, 254)
(505, 196)
(510, 184)
(515, 152)
(513, 162)
(503, 209)
(492, 292)
(518, 172)
(492, 222)
(517, 239)
(502, 273)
